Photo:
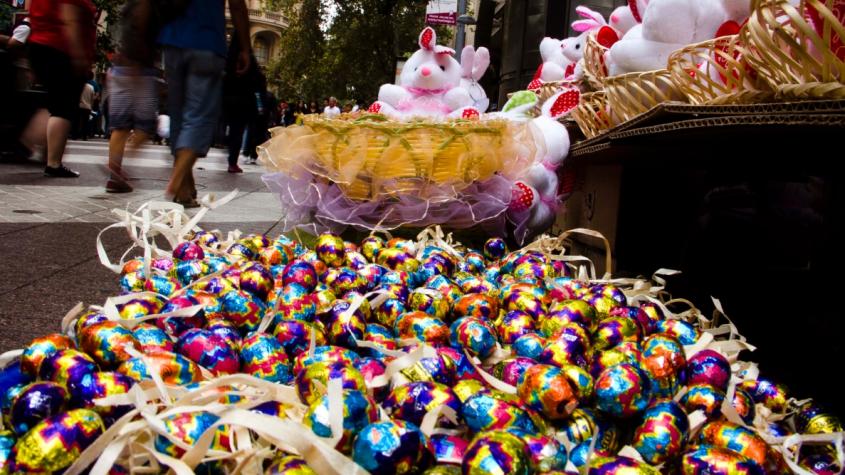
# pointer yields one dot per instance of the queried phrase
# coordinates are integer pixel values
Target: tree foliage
(109, 10)
(351, 57)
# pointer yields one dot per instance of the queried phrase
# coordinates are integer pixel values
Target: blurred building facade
(265, 30)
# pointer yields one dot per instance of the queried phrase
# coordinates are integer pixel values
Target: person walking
(86, 102)
(61, 51)
(240, 106)
(194, 57)
(133, 89)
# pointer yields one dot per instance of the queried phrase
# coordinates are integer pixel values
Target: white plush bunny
(573, 48)
(535, 200)
(555, 66)
(429, 85)
(474, 64)
(669, 25)
(626, 17)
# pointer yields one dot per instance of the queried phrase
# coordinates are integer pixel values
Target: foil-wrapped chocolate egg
(736, 438)
(151, 336)
(312, 382)
(284, 464)
(422, 327)
(56, 442)
(663, 433)
(300, 272)
(40, 348)
(486, 411)
(295, 336)
(173, 368)
(391, 447)
(263, 357)
(66, 367)
(36, 402)
(476, 305)
(530, 345)
(473, 335)
(330, 249)
(709, 367)
(619, 465)
(545, 389)
(100, 385)
(622, 391)
(705, 398)
(209, 351)
(511, 369)
(513, 325)
(547, 455)
(497, 452)
(448, 449)
(710, 460)
(410, 402)
(495, 248)
(359, 410)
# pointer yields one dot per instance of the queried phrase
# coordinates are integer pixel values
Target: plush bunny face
(432, 67)
(551, 50)
(573, 48)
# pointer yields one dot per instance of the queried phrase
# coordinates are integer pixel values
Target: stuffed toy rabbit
(669, 25)
(474, 64)
(555, 66)
(534, 201)
(429, 85)
(591, 21)
(626, 17)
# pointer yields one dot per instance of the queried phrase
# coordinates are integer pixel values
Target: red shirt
(48, 28)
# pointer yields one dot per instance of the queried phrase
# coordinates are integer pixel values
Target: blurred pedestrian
(331, 110)
(61, 51)
(313, 108)
(86, 102)
(194, 56)
(243, 102)
(133, 89)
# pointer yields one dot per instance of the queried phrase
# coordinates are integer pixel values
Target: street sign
(441, 12)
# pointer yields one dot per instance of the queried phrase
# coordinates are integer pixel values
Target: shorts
(194, 97)
(133, 99)
(63, 85)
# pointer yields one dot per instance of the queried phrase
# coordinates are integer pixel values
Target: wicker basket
(592, 114)
(594, 68)
(629, 95)
(799, 51)
(716, 72)
(371, 156)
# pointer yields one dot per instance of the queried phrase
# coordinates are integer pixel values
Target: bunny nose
(425, 71)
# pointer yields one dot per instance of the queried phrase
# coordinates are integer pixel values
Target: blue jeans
(194, 85)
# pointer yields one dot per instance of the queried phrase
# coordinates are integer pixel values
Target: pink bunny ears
(592, 20)
(428, 42)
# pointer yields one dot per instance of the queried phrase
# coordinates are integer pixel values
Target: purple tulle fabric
(315, 205)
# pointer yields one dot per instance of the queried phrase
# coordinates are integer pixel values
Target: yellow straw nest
(717, 72)
(799, 51)
(371, 156)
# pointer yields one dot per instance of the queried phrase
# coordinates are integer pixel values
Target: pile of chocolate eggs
(445, 360)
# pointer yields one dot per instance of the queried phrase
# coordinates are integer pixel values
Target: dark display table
(748, 202)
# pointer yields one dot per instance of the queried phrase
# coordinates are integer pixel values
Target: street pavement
(49, 227)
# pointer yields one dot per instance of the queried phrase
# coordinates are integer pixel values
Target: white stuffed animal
(592, 20)
(474, 64)
(429, 85)
(555, 66)
(626, 17)
(535, 200)
(669, 25)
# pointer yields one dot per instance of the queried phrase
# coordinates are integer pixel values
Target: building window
(262, 51)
